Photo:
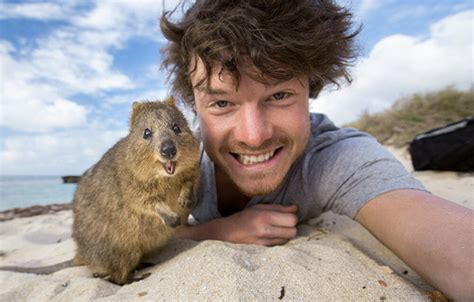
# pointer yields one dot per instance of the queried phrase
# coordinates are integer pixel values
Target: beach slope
(333, 258)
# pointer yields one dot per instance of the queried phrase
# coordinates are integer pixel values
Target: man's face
(254, 133)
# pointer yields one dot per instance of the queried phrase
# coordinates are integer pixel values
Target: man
(248, 69)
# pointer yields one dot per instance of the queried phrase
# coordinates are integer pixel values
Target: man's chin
(257, 188)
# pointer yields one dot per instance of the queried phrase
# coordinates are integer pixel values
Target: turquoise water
(25, 191)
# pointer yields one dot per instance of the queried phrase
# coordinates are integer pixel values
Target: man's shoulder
(343, 168)
(325, 133)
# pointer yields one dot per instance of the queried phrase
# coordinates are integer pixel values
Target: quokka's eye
(147, 133)
(176, 129)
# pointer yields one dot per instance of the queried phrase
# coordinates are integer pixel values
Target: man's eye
(280, 95)
(221, 104)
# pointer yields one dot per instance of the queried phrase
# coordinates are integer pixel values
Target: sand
(332, 259)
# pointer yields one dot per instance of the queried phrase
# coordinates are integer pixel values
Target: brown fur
(127, 206)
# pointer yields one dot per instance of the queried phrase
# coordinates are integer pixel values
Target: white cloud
(367, 6)
(105, 13)
(39, 78)
(56, 153)
(29, 105)
(39, 81)
(74, 66)
(41, 11)
(149, 95)
(401, 65)
(411, 12)
(138, 18)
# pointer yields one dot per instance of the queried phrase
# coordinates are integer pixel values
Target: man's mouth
(252, 159)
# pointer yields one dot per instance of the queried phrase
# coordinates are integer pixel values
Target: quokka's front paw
(188, 197)
(172, 221)
(168, 217)
(187, 203)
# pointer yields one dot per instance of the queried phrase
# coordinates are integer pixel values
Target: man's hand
(264, 224)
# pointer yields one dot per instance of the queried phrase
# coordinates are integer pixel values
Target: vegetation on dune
(419, 113)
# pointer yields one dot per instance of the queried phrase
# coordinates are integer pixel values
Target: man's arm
(264, 224)
(433, 236)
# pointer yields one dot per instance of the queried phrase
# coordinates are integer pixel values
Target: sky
(70, 70)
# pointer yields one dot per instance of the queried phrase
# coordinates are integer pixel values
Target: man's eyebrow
(213, 91)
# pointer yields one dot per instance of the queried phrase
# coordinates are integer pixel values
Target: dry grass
(408, 117)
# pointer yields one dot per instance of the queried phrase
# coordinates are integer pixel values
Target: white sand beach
(332, 259)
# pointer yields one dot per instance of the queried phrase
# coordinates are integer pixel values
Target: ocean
(25, 191)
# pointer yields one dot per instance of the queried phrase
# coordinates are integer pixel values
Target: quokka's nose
(168, 149)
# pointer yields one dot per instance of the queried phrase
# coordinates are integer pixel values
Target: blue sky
(70, 69)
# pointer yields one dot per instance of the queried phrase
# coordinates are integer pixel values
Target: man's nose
(254, 126)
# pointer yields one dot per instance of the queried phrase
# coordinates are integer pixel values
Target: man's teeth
(255, 159)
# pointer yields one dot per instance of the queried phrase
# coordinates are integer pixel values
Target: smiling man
(248, 70)
(253, 133)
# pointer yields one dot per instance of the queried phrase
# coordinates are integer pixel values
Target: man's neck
(229, 199)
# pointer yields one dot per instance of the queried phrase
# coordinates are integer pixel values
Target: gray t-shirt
(340, 170)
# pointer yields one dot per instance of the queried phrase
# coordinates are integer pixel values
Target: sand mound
(333, 258)
(320, 264)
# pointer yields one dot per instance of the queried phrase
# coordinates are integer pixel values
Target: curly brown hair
(282, 39)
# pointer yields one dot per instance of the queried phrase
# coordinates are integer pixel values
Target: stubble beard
(260, 187)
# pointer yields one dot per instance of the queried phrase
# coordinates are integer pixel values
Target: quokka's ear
(136, 105)
(170, 101)
(136, 108)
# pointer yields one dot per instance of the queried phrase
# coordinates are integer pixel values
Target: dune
(332, 258)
